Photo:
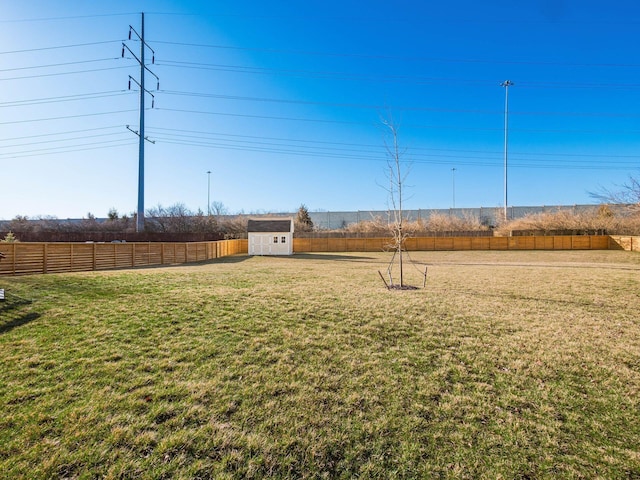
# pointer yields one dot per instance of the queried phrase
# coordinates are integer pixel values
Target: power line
(396, 57)
(68, 149)
(392, 107)
(60, 140)
(58, 64)
(417, 126)
(42, 75)
(270, 117)
(75, 45)
(71, 17)
(60, 133)
(370, 77)
(436, 160)
(238, 137)
(67, 117)
(64, 98)
(423, 155)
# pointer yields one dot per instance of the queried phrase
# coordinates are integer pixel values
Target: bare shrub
(435, 223)
(438, 222)
(375, 225)
(599, 219)
(629, 225)
(233, 227)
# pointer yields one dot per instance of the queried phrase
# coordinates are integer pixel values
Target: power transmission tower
(140, 133)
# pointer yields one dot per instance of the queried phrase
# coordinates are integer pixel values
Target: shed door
(261, 244)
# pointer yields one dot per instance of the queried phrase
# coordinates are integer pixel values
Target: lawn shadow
(331, 257)
(241, 257)
(228, 259)
(18, 322)
(8, 306)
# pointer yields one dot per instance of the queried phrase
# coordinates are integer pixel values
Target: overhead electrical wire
(61, 140)
(80, 115)
(64, 64)
(281, 146)
(337, 75)
(239, 138)
(68, 149)
(66, 73)
(417, 126)
(311, 147)
(69, 132)
(389, 107)
(65, 98)
(68, 17)
(437, 159)
(75, 45)
(397, 57)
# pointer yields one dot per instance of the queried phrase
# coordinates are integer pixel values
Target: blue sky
(283, 101)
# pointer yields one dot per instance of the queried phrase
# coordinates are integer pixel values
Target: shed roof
(273, 225)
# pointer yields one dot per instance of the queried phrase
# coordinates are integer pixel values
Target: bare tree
(175, 218)
(218, 209)
(396, 176)
(396, 181)
(628, 194)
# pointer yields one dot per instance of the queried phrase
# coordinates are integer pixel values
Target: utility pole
(140, 133)
(506, 84)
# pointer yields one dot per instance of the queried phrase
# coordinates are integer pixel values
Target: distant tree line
(178, 223)
(172, 223)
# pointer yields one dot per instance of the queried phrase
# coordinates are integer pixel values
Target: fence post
(44, 257)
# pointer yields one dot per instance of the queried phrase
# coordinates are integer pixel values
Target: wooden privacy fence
(29, 258)
(32, 258)
(571, 242)
(625, 242)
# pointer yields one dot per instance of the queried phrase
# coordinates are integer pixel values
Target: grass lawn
(508, 365)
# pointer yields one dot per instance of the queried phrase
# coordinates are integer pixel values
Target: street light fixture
(453, 180)
(209, 192)
(506, 84)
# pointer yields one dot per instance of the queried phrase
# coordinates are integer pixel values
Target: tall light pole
(209, 192)
(453, 180)
(506, 84)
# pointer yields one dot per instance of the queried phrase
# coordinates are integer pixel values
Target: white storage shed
(270, 236)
